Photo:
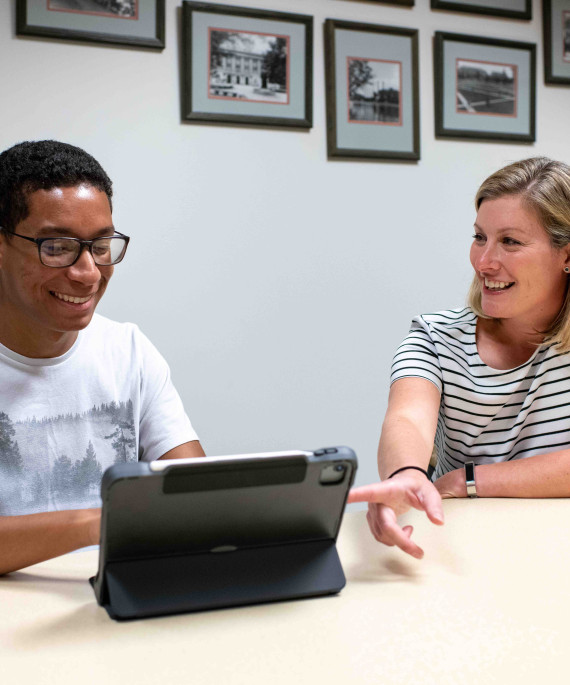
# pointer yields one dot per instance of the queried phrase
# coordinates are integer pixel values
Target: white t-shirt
(486, 415)
(63, 421)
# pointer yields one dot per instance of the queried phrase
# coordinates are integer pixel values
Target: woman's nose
(487, 258)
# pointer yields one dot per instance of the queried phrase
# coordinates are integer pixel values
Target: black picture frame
(556, 30)
(105, 27)
(345, 136)
(484, 102)
(472, 7)
(209, 92)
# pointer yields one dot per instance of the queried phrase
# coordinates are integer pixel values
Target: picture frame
(372, 91)
(400, 3)
(136, 23)
(514, 9)
(556, 28)
(485, 88)
(246, 66)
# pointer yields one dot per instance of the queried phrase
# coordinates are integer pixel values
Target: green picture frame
(556, 29)
(485, 88)
(372, 91)
(246, 66)
(134, 23)
(513, 9)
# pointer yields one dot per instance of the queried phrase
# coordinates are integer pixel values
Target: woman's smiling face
(520, 272)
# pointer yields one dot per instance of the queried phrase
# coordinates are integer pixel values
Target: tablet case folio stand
(221, 532)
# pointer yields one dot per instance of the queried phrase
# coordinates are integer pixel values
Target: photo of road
(486, 88)
(115, 8)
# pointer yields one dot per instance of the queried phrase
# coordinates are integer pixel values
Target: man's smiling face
(43, 308)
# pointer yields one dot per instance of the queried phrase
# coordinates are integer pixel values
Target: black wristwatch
(470, 479)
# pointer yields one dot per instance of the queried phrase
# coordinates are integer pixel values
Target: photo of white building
(249, 66)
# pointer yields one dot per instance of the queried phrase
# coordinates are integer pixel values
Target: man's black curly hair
(44, 164)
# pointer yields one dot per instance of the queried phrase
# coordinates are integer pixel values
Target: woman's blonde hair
(544, 187)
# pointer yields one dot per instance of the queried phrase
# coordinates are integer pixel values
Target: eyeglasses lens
(64, 251)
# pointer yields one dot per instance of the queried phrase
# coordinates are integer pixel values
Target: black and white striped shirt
(486, 415)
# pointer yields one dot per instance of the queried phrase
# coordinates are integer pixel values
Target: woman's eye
(478, 238)
(510, 241)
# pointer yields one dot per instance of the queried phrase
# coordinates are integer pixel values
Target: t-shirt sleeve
(163, 422)
(417, 356)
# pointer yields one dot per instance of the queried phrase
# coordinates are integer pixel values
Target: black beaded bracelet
(418, 468)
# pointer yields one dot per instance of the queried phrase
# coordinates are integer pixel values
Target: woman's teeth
(497, 285)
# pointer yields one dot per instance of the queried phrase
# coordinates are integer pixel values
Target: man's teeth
(496, 285)
(69, 298)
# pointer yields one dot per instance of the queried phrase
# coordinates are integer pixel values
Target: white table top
(489, 603)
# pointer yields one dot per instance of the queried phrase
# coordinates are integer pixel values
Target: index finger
(367, 493)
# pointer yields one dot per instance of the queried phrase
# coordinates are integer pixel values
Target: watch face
(470, 479)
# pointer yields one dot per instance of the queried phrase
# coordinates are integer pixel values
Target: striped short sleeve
(486, 415)
(417, 356)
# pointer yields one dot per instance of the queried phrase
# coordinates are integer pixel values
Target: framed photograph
(372, 90)
(485, 88)
(246, 66)
(515, 9)
(125, 22)
(556, 26)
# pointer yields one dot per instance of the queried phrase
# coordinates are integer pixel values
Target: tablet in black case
(193, 534)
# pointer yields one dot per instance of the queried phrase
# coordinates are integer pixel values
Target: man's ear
(2, 247)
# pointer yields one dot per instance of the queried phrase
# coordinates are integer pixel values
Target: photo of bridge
(374, 88)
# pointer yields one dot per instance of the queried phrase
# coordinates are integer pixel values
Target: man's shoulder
(104, 331)
(102, 324)
(108, 337)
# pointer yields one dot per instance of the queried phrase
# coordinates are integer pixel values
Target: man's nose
(84, 270)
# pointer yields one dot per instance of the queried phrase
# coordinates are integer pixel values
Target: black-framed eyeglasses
(64, 251)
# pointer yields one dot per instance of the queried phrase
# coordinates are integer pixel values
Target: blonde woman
(489, 384)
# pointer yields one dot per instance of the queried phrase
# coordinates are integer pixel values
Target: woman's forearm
(545, 475)
(29, 539)
(402, 443)
(409, 426)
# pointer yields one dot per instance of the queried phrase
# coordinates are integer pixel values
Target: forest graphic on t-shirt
(57, 462)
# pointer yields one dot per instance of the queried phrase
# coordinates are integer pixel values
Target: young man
(78, 392)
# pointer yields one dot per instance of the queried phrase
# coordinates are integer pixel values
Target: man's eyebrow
(56, 231)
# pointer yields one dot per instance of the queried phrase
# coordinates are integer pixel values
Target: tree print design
(36, 473)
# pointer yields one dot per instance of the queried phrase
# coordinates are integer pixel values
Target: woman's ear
(566, 249)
